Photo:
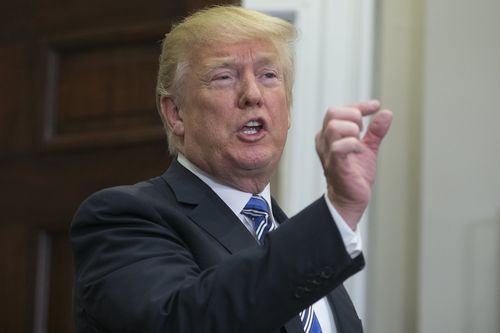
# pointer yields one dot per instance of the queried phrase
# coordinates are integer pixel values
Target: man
(204, 248)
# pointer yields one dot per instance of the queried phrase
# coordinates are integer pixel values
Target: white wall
(394, 220)
(435, 255)
(460, 256)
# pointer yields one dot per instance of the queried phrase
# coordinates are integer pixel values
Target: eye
(270, 75)
(222, 77)
(222, 74)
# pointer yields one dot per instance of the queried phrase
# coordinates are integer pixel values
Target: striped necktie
(257, 210)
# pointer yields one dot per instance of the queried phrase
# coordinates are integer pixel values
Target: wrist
(349, 210)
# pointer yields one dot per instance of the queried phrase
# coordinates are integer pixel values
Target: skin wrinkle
(231, 63)
(252, 89)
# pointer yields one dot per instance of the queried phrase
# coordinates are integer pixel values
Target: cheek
(284, 117)
(212, 128)
(278, 102)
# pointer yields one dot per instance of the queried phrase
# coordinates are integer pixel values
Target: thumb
(377, 129)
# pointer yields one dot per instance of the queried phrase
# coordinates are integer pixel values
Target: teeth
(253, 123)
(250, 131)
(252, 127)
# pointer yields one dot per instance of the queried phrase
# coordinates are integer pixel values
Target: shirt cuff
(352, 239)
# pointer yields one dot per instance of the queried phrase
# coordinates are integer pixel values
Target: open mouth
(252, 127)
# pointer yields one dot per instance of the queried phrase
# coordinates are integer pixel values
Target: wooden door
(77, 113)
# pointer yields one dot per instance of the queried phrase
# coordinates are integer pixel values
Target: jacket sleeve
(135, 272)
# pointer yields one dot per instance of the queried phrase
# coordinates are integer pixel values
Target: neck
(252, 185)
(246, 182)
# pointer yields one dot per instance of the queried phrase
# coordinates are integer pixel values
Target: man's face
(235, 113)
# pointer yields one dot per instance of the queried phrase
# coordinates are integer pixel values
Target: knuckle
(333, 110)
(331, 128)
(358, 115)
(355, 130)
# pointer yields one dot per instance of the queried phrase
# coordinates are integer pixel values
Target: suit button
(300, 291)
(298, 294)
(327, 272)
(314, 282)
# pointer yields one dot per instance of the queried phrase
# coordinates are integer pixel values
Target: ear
(172, 115)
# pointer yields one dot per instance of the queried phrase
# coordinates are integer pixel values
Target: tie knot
(257, 210)
(257, 204)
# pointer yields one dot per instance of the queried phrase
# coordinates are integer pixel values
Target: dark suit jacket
(168, 255)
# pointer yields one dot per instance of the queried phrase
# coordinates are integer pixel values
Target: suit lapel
(294, 325)
(205, 208)
(346, 318)
(278, 214)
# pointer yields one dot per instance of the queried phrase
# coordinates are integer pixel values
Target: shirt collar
(235, 199)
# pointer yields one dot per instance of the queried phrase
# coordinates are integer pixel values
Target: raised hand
(349, 160)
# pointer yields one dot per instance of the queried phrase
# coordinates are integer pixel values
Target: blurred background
(77, 113)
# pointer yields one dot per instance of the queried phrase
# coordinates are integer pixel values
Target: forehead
(255, 52)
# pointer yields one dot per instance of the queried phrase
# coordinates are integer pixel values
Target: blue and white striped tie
(257, 210)
(309, 321)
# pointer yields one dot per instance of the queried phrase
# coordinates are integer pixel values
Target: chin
(257, 162)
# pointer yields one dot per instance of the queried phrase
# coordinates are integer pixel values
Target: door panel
(77, 114)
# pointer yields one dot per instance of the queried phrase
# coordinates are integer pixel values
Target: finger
(367, 107)
(337, 129)
(343, 147)
(377, 129)
(344, 113)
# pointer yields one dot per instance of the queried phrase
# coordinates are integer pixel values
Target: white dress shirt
(236, 201)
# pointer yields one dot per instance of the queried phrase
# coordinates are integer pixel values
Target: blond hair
(218, 25)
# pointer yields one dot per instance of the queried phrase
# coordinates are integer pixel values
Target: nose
(250, 93)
